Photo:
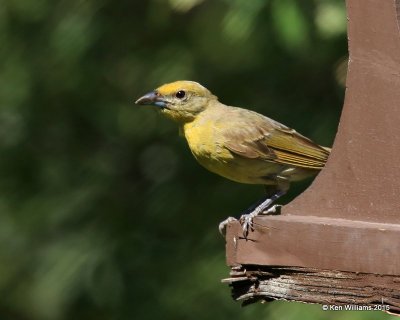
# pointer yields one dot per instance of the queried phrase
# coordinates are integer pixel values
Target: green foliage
(103, 212)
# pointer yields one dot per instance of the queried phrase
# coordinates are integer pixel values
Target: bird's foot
(222, 226)
(246, 220)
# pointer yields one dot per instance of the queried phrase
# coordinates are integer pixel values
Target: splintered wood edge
(336, 290)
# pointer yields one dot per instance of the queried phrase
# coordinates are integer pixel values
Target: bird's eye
(180, 94)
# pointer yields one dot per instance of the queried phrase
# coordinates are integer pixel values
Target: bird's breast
(205, 142)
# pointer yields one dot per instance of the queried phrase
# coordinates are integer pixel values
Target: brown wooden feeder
(339, 241)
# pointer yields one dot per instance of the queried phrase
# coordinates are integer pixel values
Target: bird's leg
(223, 224)
(274, 192)
(248, 211)
(247, 219)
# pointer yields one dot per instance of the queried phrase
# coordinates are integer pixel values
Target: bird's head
(181, 101)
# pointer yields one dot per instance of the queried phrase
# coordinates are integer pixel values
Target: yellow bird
(238, 144)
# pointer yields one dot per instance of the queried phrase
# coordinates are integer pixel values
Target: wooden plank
(325, 243)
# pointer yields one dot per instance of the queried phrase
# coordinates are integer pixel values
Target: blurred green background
(103, 212)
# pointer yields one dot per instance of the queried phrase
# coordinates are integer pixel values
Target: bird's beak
(152, 98)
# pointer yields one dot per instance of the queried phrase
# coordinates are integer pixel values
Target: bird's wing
(259, 137)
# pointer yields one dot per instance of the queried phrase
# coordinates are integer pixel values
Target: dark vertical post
(362, 180)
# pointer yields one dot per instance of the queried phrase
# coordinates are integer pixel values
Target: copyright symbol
(324, 307)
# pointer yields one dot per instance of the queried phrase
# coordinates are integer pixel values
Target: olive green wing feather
(292, 148)
(256, 136)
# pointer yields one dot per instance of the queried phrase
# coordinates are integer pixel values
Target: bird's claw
(273, 210)
(246, 220)
(222, 226)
